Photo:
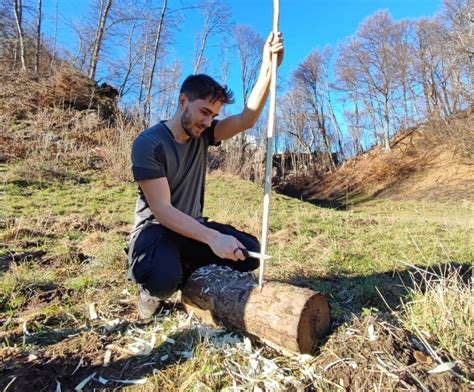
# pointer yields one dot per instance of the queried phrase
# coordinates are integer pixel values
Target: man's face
(197, 115)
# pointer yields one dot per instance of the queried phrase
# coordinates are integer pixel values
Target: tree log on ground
(281, 315)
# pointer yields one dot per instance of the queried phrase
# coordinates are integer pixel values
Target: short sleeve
(209, 134)
(147, 159)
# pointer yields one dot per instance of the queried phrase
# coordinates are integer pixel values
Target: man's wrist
(209, 235)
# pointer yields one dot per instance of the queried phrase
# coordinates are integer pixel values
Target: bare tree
(216, 18)
(156, 47)
(38, 36)
(370, 53)
(18, 11)
(458, 15)
(310, 79)
(249, 45)
(99, 36)
(249, 48)
(55, 36)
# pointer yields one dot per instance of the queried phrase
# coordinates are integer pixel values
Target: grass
(62, 249)
(442, 311)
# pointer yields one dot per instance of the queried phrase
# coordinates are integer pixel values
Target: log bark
(281, 315)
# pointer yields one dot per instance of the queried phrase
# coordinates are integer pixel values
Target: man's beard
(186, 124)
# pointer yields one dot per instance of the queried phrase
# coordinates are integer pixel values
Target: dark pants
(160, 260)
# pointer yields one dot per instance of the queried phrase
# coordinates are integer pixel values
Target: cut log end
(314, 322)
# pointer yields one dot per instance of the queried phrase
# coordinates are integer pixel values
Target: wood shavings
(443, 367)
(107, 357)
(83, 383)
(10, 383)
(32, 357)
(92, 311)
(25, 331)
(140, 381)
(371, 333)
(142, 347)
(168, 339)
(77, 367)
(113, 324)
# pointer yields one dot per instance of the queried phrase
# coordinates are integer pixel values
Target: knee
(250, 242)
(163, 284)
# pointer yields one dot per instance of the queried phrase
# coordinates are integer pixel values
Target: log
(281, 315)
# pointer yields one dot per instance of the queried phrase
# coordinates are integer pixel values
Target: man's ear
(182, 100)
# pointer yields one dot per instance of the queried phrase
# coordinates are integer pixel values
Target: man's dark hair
(201, 86)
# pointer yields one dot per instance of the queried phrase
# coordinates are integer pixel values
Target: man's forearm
(257, 98)
(183, 224)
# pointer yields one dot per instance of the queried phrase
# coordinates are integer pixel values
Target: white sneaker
(147, 306)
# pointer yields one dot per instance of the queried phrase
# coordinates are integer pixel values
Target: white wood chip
(32, 357)
(371, 333)
(164, 357)
(107, 357)
(135, 382)
(92, 311)
(58, 386)
(110, 325)
(84, 382)
(77, 367)
(102, 380)
(25, 331)
(168, 340)
(444, 367)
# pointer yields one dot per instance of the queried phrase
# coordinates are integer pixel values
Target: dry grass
(440, 310)
(431, 162)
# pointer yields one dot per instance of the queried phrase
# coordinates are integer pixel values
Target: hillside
(433, 161)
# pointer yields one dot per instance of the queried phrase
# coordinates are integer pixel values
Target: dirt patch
(369, 353)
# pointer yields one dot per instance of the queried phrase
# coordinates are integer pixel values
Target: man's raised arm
(235, 124)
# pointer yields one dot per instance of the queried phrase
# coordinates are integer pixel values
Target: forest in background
(338, 102)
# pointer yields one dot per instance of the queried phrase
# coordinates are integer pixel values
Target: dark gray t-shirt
(156, 154)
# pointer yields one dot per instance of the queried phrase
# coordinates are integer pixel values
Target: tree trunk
(53, 54)
(281, 315)
(198, 60)
(18, 10)
(99, 36)
(147, 107)
(38, 38)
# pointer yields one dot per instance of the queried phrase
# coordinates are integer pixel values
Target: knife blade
(249, 253)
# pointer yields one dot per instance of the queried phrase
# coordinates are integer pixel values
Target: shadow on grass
(8, 259)
(355, 295)
(48, 179)
(337, 203)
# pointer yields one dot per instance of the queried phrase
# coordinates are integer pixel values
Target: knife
(249, 253)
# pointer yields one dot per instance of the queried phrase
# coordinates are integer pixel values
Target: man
(170, 238)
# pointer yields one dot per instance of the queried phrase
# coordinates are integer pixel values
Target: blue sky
(306, 25)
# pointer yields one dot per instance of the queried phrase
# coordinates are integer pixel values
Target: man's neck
(174, 125)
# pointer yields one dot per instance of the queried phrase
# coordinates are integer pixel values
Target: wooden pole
(283, 316)
(270, 142)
